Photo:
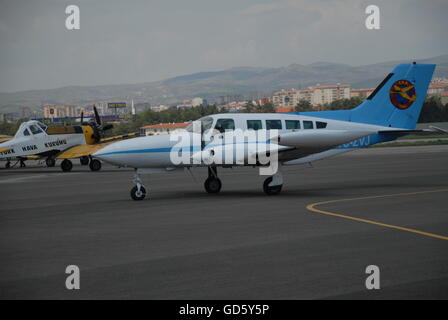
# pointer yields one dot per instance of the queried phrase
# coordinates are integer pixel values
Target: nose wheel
(138, 192)
(213, 183)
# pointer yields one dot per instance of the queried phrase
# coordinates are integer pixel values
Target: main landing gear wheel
(271, 190)
(8, 165)
(66, 165)
(84, 160)
(212, 185)
(137, 194)
(95, 165)
(50, 162)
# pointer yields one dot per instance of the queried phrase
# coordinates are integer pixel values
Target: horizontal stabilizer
(431, 130)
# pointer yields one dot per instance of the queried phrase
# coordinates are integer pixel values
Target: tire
(8, 165)
(84, 160)
(95, 165)
(212, 185)
(135, 195)
(50, 162)
(66, 165)
(270, 191)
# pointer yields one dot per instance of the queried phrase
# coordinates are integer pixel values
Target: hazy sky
(137, 41)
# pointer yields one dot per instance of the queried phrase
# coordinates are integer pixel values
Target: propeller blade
(97, 116)
(82, 117)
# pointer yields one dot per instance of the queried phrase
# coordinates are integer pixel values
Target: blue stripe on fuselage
(355, 144)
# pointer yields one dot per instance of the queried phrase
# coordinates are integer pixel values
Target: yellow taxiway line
(312, 207)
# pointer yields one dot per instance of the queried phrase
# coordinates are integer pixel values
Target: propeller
(97, 125)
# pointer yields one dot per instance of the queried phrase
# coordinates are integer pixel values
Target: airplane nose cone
(110, 153)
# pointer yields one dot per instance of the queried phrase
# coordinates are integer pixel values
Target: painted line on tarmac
(312, 207)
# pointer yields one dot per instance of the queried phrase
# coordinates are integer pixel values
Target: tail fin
(398, 100)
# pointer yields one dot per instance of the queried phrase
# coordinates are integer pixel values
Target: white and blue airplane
(391, 111)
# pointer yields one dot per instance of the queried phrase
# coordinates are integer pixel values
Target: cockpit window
(225, 125)
(44, 127)
(206, 123)
(26, 132)
(321, 125)
(35, 129)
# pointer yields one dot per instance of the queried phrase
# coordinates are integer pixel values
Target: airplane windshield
(35, 129)
(206, 123)
(44, 127)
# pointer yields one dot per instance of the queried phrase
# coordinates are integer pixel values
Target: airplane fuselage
(299, 137)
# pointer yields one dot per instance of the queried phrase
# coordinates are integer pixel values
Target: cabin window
(292, 124)
(26, 132)
(225, 125)
(308, 124)
(254, 125)
(274, 124)
(321, 125)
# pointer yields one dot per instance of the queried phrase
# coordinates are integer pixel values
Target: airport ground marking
(312, 207)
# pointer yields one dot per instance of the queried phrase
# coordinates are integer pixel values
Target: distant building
(362, 93)
(436, 89)
(161, 108)
(197, 101)
(162, 128)
(263, 101)
(54, 111)
(234, 106)
(327, 94)
(316, 95)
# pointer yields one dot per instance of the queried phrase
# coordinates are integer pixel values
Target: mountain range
(239, 80)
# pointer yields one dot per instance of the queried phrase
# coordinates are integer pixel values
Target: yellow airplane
(35, 140)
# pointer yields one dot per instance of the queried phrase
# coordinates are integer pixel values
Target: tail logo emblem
(402, 94)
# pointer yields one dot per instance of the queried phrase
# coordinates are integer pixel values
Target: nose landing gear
(213, 183)
(138, 192)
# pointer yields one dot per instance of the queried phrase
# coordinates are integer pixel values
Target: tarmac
(384, 206)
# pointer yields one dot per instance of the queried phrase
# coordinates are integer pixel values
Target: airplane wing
(4, 138)
(81, 151)
(88, 149)
(121, 137)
